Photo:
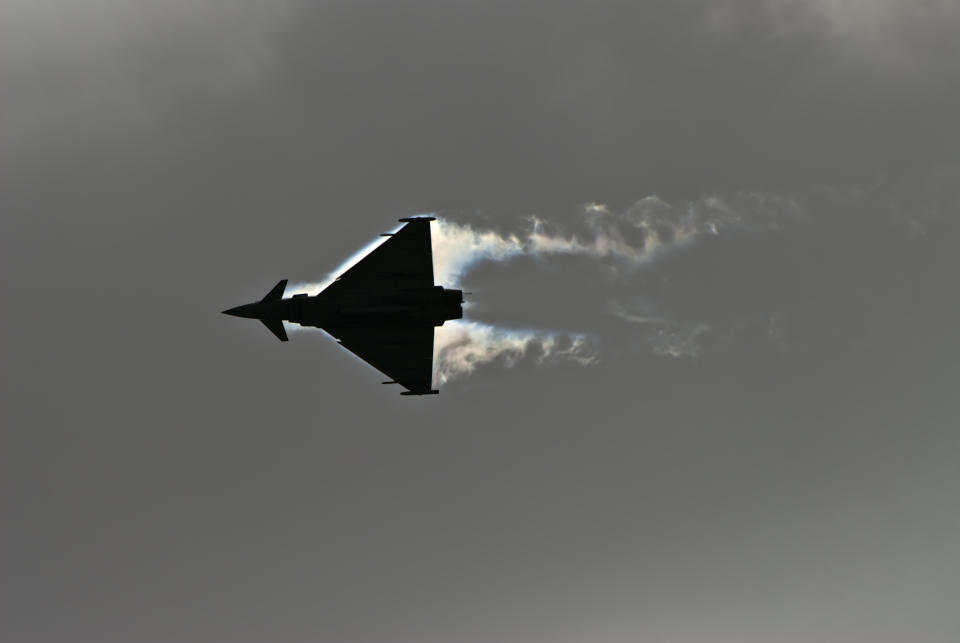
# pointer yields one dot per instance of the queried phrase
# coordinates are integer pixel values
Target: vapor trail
(622, 240)
(462, 346)
(620, 243)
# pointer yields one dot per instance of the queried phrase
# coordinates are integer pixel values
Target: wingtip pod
(432, 392)
(412, 219)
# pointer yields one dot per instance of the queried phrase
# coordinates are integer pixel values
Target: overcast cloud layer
(706, 390)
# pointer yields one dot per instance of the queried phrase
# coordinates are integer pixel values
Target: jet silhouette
(383, 309)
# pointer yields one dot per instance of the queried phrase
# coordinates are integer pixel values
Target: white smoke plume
(623, 240)
(462, 346)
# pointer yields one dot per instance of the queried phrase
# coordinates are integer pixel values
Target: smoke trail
(620, 242)
(624, 241)
(462, 346)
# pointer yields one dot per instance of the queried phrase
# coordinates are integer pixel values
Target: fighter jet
(383, 309)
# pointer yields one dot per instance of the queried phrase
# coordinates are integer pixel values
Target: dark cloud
(168, 473)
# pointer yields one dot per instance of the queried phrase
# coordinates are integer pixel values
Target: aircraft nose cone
(240, 311)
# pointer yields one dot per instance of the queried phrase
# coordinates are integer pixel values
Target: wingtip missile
(412, 219)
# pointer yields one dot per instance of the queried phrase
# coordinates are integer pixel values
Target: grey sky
(763, 449)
